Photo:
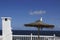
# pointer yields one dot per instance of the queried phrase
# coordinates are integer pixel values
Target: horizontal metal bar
(30, 36)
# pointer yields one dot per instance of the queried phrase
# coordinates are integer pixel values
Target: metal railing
(33, 37)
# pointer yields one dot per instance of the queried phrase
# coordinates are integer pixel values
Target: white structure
(41, 19)
(6, 28)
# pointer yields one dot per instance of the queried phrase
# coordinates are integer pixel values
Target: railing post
(31, 36)
(54, 36)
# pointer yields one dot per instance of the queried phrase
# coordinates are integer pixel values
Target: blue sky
(20, 11)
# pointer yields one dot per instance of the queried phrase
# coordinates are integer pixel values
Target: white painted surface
(0, 37)
(6, 28)
(45, 37)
